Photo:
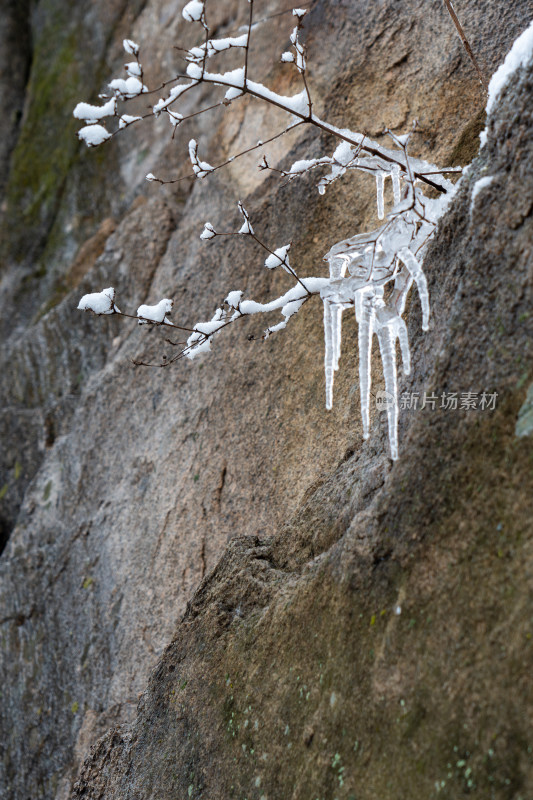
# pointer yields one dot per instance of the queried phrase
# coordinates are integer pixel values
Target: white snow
(175, 92)
(196, 53)
(218, 45)
(208, 231)
(298, 49)
(150, 177)
(194, 349)
(288, 310)
(93, 135)
(214, 46)
(232, 93)
(133, 68)
(174, 118)
(519, 55)
(292, 307)
(200, 340)
(235, 76)
(287, 57)
(194, 71)
(279, 257)
(131, 87)
(99, 302)
(479, 185)
(131, 47)
(193, 11)
(233, 299)
(304, 164)
(341, 158)
(404, 138)
(343, 153)
(127, 119)
(155, 313)
(297, 104)
(213, 325)
(89, 113)
(246, 227)
(298, 292)
(200, 168)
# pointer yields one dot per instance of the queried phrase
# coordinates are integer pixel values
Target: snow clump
(99, 302)
(155, 313)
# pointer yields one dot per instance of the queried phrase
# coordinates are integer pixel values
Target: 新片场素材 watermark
(447, 401)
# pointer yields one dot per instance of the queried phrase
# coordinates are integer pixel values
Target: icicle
(387, 348)
(401, 331)
(329, 357)
(365, 314)
(336, 324)
(332, 342)
(395, 175)
(416, 271)
(380, 182)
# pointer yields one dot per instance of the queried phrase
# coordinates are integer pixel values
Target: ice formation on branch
(371, 273)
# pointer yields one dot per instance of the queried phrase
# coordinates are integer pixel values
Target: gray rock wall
(123, 486)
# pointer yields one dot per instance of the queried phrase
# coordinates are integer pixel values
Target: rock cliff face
(207, 537)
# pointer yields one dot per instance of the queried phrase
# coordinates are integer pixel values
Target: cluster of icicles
(374, 272)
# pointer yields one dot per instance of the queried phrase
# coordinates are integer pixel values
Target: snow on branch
(194, 11)
(155, 313)
(370, 272)
(200, 168)
(99, 302)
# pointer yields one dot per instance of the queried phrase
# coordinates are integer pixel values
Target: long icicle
(336, 323)
(329, 353)
(365, 314)
(387, 348)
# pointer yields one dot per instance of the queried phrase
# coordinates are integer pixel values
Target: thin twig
(207, 336)
(153, 322)
(466, 43)
(247, 48)
(237, 155)
(283, 262)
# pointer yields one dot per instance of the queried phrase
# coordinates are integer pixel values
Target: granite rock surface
(205, 537)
